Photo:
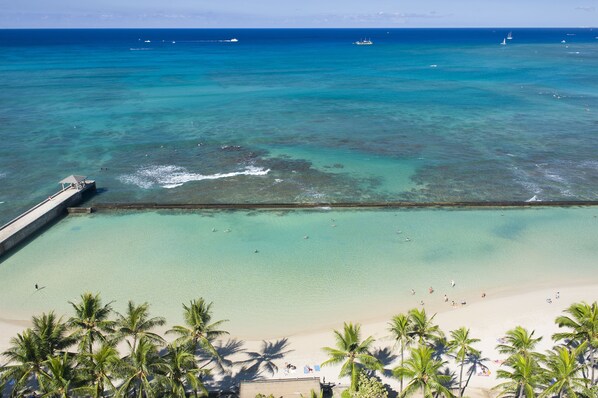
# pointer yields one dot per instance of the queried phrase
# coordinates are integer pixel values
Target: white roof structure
(73, 181)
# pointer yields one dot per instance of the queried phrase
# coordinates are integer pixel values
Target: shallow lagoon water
(354, 265)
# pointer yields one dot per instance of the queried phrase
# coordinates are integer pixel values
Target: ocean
(299, 115)
(294, 115)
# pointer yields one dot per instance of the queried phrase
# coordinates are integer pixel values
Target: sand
(488, 319)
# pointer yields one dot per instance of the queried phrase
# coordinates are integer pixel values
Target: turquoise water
(354, 265)
(299, 115)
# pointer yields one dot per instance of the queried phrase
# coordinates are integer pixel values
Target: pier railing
(37, 206)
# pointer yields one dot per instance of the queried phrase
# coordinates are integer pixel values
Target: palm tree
(50, 334)
(523, 379)
(90, 321)
(422, 327)
(424, 372)
(182, 372)
(520, 342)
(97, 369)
(137, 323)
(461, 343)
(199, 332)
(61, 378)
(563, 373)
(400, 327)
(26, 364)
(354, 352)
(583, 325)
(138, 369)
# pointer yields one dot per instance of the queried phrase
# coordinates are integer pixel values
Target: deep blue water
(299, 115)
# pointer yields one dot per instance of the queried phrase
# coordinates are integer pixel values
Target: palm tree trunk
(461, 377)
(353, 377)
(90, 345)
(592, 364)
(520, 391)
(402, 356)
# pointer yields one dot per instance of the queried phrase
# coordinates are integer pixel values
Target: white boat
(504, 42)
(364, 42)
(233, 40)
(147, 41)
(510, 36)
(563, 41)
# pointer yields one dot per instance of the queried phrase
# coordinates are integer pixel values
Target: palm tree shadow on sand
(259, 364)
(263, 361)
(386, 357)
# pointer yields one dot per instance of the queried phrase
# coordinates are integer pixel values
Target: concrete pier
(28, 223)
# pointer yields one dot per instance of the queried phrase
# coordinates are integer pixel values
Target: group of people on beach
(446, 299)
(556, 296)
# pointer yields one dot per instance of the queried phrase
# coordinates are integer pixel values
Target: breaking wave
(174, 176)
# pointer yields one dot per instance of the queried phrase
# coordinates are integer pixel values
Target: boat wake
(174, 176)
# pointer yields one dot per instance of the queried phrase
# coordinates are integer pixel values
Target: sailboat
(504, 42)
(510, 36)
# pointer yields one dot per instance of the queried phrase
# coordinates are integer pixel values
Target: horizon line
(306, 28)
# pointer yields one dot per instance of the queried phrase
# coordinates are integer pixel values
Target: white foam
(171, 176)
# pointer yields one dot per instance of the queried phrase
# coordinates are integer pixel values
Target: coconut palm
(50, 334)
(461, 343)
(524, 378)
(98, 368)
(29, 351)
(182, 373)
(61, 378)
(563, 372)
(199, 331)
(423, 328)
(583, 324)
(26, 365)
(137, 323)
(424, 373)
(91, 321)
(138, 370)
(520, 342)
(400, 327)
(353, 352)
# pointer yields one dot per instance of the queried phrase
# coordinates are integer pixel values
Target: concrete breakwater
(44, 213)
(338, 205)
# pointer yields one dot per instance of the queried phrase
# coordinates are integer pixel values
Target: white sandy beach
(487, 318)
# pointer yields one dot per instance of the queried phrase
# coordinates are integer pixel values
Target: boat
(563, 42)
(504, 42)
(364, 42)
(510, 36)
(147, 41)
(233, 40)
